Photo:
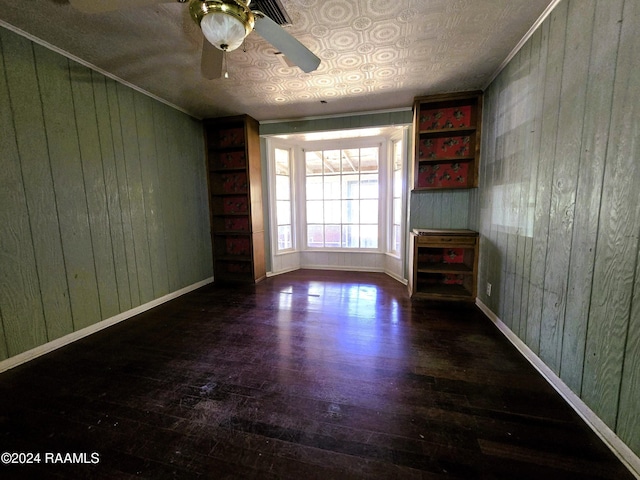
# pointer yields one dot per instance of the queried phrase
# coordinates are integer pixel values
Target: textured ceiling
(376, 54)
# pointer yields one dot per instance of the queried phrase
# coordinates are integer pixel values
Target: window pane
(397, 211)
(369, 186)
(332, 236)
(315, 235)
(395, 241)
(282, 188)
(351, 211)
(314, 188)
(369, 211)
(332, 187)
(350, 186)
(397, 183)
(313, 163)
(397, 155)
(350, 160)
(332, 211)
(369, 236)
(369, 159)
(351, 236)
(315, 212)
(331, 161)
(336, 188)
(282, 161)
(283, 212)
(284, 237)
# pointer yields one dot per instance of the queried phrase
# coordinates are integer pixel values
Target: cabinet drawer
(446, 240)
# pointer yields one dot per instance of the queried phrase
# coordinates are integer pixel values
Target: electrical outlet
(488, 289)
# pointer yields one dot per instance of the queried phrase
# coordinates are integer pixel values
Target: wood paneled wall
(103, 203)
(559, 203)
(439, 209)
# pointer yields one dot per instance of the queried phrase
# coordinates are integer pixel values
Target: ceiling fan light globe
(223, 31)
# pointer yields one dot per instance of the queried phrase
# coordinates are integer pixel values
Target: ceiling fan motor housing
(225, 23)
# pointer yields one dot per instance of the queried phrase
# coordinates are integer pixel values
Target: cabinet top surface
(441, 232)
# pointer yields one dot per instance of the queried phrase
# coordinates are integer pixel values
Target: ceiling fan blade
(286, 43)
(102, 6)
(211, 64)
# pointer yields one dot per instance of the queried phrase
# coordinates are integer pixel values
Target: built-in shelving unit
(447, 140)
(235, 199)
(444, 264)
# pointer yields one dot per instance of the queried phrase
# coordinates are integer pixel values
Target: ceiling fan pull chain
(224, 64)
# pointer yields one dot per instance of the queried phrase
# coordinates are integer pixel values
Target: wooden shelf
(235, 199)
(447, 132)
(444, 264)
(447, 140)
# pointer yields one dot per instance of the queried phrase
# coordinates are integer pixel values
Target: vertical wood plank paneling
(23, 324)
(183, 241)
(165, 186)
(94, 183)
(487, 253)
(130, 142)
(67, 232)
(193, 175)
(153, 212)
(202, 255)
(577, 47)
(595, 135)
(485, 200)
(521, 175)
(576, 158)
(70, 195)
(31, 138)
(497, 220)
(170, 187)
(628, 421)
(553, 34)
(116, 233)
(123, 192)
(439, 209)
(617, 240)
(532, 131)
(3, 339)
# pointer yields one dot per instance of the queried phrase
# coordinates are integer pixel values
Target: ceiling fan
(225, 24)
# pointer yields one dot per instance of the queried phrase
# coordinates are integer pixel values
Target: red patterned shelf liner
(231, 136)
(445, 174)
(444, 118)
(236, 204)
(444, 255)
(232, 160)
(232, 267)
(234, 182)
(444, 147)
(238, 246)
(236, 224)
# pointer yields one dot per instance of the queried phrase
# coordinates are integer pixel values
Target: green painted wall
(559, 203)
(103, 203)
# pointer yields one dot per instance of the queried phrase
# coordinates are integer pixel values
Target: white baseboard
(280, 272)
(24, 357)
(404, 281)
(608, 436)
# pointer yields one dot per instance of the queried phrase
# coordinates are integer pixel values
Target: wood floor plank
(309, 375)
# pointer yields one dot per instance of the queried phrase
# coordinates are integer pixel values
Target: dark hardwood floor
(308, 375)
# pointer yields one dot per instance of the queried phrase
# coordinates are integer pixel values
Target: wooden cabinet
(447, 140)
(235, 199)
(444, 264)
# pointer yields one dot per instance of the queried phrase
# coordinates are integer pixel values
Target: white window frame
(298, 195)
(403, 139)
(272, 145)
(381, 144)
